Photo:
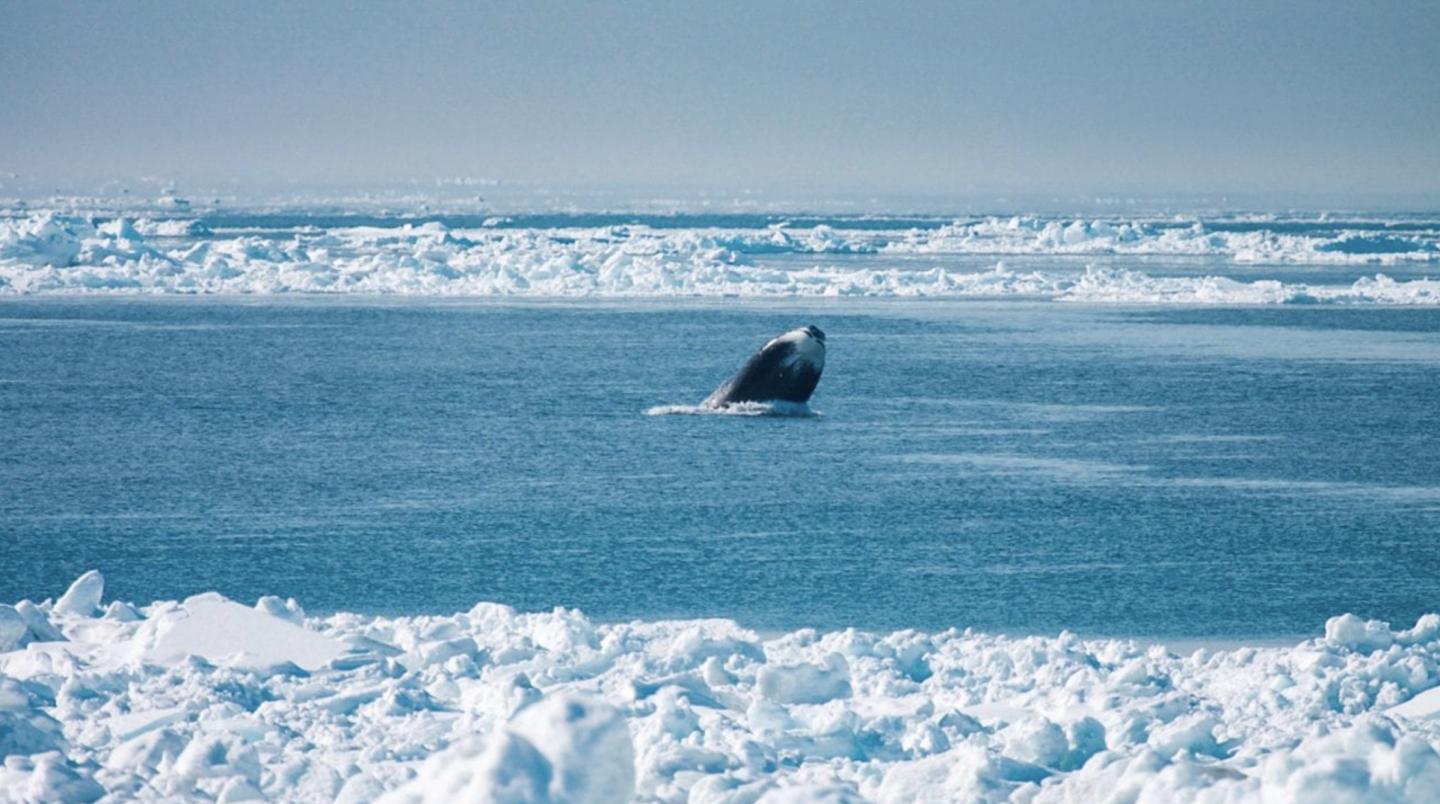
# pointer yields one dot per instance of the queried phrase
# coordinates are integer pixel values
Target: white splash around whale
(777, 408)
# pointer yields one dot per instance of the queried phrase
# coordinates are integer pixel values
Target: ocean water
(1015, 465)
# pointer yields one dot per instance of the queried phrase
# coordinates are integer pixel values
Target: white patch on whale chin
(808, 348)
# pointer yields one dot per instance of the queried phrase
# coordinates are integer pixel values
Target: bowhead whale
(786, 369)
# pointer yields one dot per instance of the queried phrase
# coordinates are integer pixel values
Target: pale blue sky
(1280, 97)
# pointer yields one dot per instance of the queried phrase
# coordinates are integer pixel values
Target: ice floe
(209, 699)
(1031, 235)
(47, 252)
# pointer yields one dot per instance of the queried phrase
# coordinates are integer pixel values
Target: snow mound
(209, 699)
(563, 748)
(221, 631)
(83, 596)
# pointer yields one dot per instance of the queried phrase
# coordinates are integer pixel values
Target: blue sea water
(1015, 466)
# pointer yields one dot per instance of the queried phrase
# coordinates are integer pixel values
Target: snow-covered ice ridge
(49, 252)
(211, 699)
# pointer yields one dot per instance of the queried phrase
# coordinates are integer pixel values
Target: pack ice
(208, 699)
(48, 252)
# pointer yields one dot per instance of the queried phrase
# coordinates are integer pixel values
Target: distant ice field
(1340, 258)
(1194, 471)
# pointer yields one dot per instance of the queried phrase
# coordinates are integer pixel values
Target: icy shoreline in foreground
(210, 699)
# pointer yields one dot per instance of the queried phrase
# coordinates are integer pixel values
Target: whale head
(785, 370)
(809, 332)
(807, 344)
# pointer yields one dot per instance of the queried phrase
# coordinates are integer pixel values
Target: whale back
(786, 369)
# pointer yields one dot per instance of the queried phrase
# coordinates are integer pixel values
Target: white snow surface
(207, 699)
(49, 252)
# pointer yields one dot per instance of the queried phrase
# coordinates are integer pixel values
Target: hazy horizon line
(479, 190)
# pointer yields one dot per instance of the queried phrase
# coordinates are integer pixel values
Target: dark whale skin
(786, 369)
